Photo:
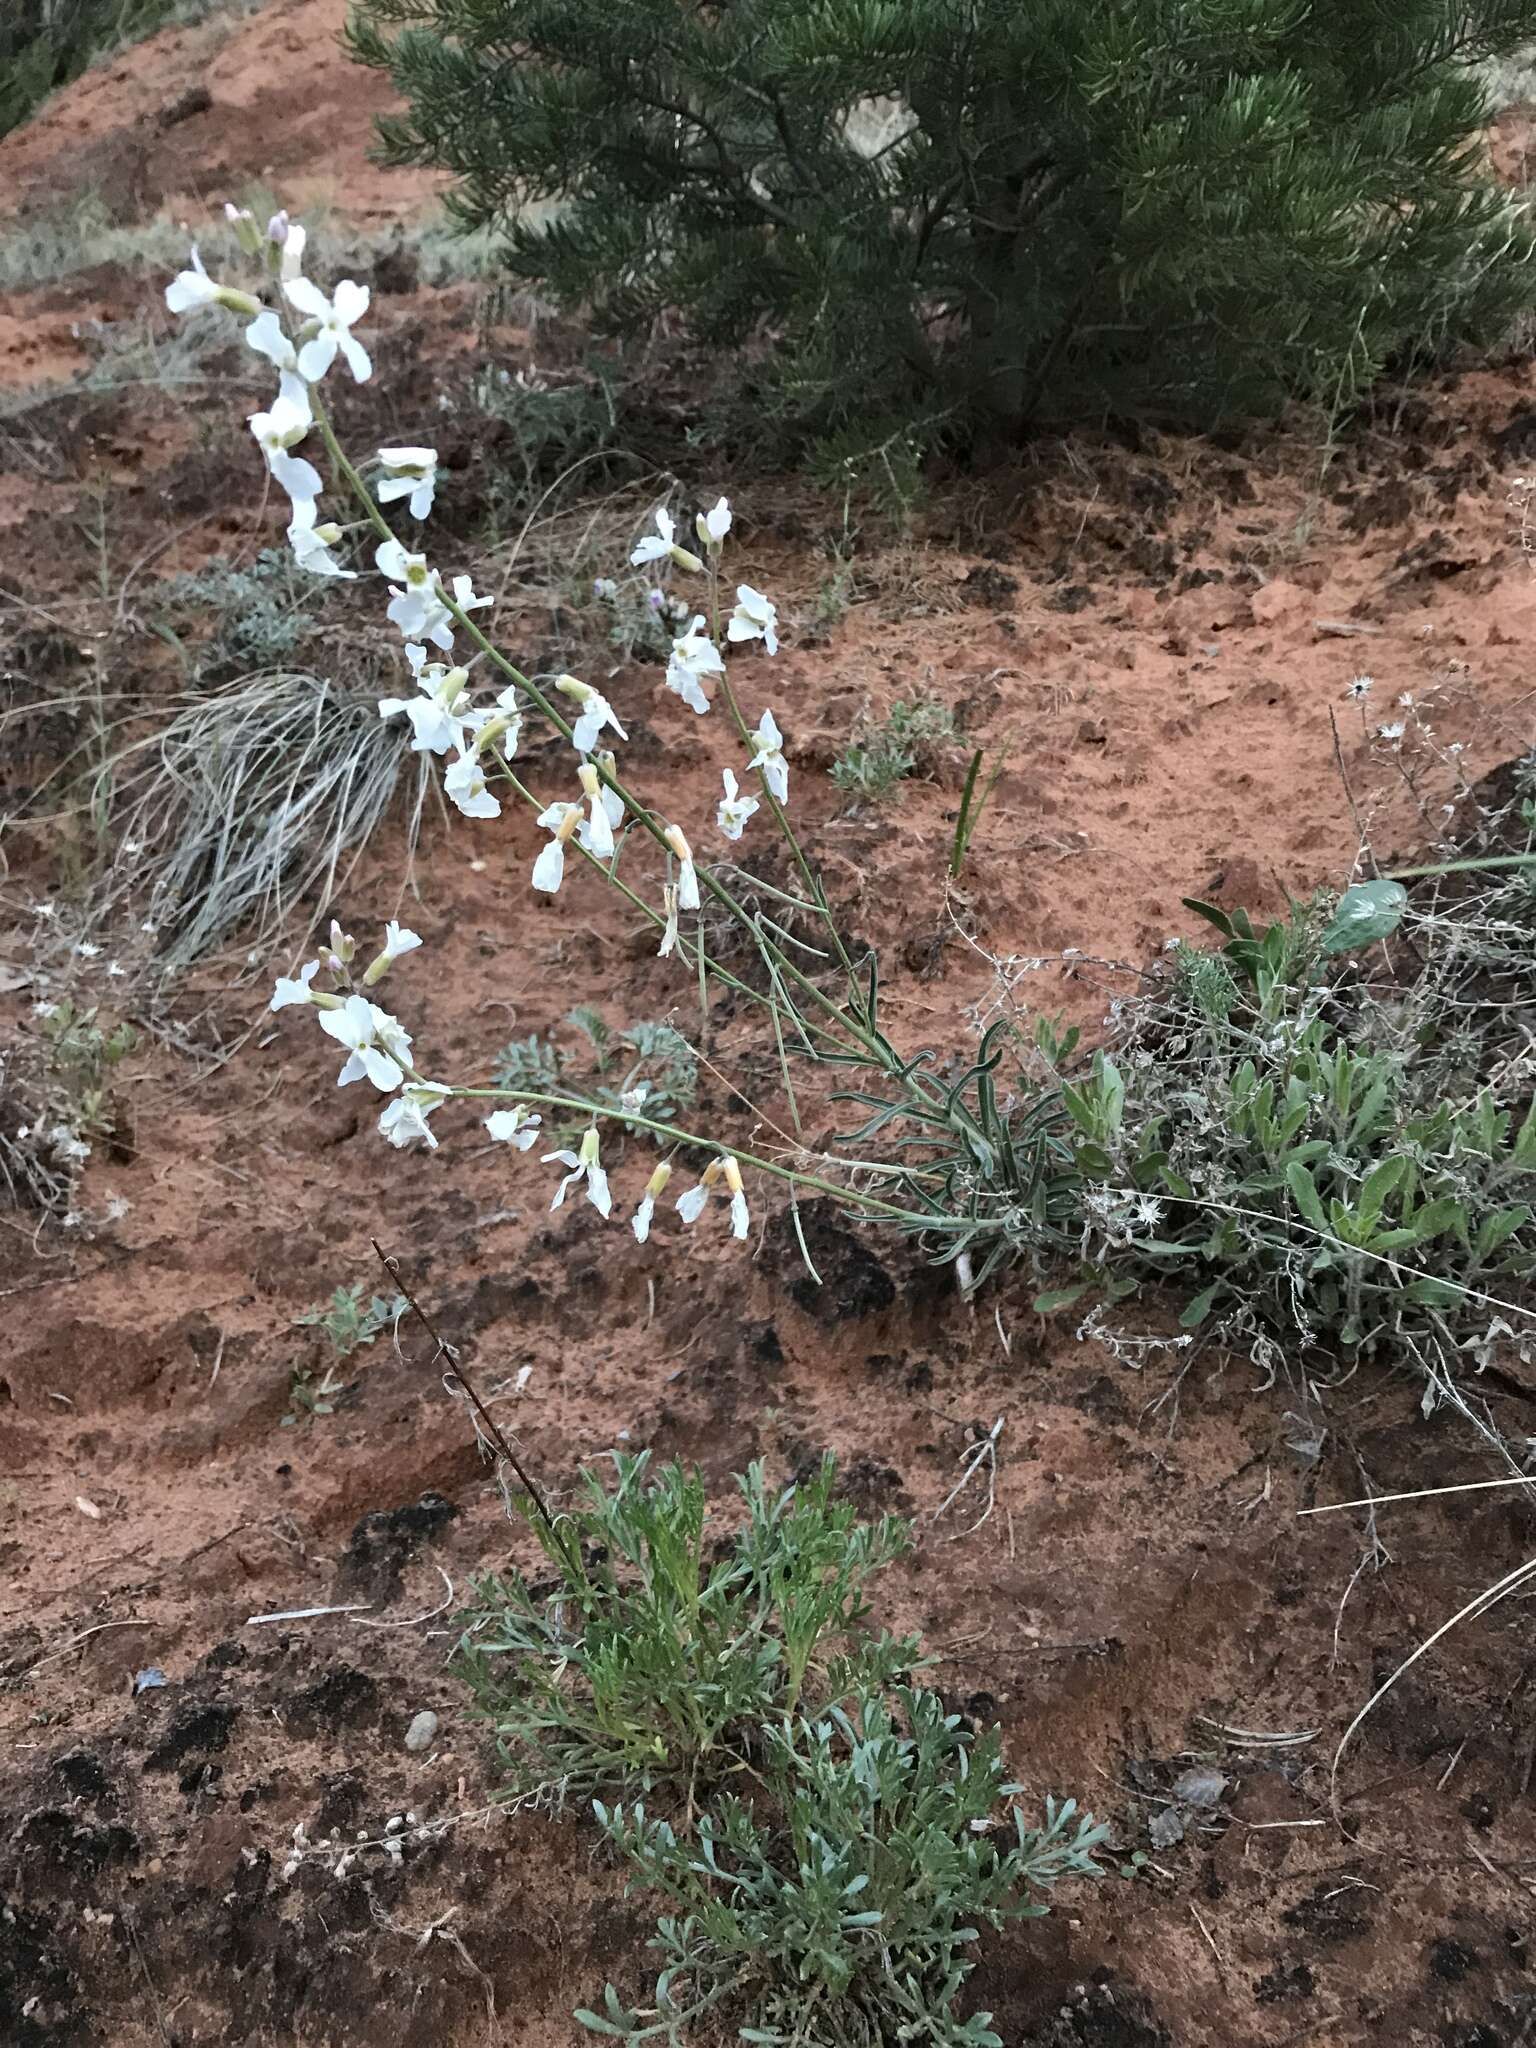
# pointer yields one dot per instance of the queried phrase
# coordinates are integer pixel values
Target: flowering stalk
(302, 339)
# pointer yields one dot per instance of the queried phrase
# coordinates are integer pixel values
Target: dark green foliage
(827, 1838)
(981, 211)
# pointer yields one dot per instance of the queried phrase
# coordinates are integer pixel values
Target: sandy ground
(1163, 639)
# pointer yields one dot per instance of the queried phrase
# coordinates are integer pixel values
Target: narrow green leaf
(1060, 1297)
(1304, 1193)
(1196, 1311)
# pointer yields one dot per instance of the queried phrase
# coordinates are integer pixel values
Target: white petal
(265, 335)
(599, 839)
(358, 359)
(549, 868)
(300, 479)
(381, 1070)
(350, 301)
(597, 1190)
(690, 1204)
(318, 353)
(300, 292)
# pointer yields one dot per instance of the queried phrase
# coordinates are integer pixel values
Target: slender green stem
(655, 916)
(642, 812)
(675, 1134)
(1462, 867)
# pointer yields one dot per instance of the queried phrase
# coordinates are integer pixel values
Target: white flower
(640, 1222)
(334, 318)
(379, 1046)
(694, 656)
(464, 785)
(408, 473)
(687, 874)
(294, 990)
(276, 433)
(500, 727)
(768, 756)
(662, 546)
(549, 869)
(734, 809)
(116, 969)
(597, 835)
(514, 1127)
(1360, 687)
(612, 802)
(312, 544)
(416, 604)
(439, 716)
(690, 1204)
(405, 1119)
(584, 1167)
(1392, 732)
(86, 949)
(593, 713)
(714, 525)
(464, 595)
(398, 941)
(755, 618)
(190, 289)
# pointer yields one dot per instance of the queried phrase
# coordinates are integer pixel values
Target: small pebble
(421, 1731)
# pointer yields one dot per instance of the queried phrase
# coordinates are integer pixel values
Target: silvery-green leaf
(1367, 912)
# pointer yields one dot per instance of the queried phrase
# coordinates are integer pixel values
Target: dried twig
(485, 1421)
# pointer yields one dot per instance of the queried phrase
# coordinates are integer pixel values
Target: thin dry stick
(492, 1428)
(1361, 829)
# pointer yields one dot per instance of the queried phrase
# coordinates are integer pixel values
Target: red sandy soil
(1143, 631)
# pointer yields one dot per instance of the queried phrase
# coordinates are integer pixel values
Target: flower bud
(243, 221)
(675, 839)
(237, 302)
(685, 560)
(343, 945)
(590, 781)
